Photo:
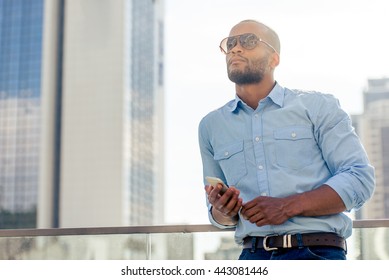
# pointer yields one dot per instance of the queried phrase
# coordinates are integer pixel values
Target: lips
(236, 60)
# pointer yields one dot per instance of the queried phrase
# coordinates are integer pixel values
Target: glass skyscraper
(374, 130)
(81, 113)
(21, 24)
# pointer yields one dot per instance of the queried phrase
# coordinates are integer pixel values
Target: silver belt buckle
(267, 248)
(286, 242)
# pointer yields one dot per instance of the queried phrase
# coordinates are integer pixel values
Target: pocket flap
(228, 151)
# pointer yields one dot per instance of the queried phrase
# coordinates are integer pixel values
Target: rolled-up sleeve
(353, 176)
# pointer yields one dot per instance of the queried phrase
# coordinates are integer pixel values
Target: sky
(331, 46)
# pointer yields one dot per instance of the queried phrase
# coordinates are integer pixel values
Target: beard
(251, 74)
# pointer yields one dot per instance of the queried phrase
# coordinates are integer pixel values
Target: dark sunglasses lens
(230, 43)
(248, 41)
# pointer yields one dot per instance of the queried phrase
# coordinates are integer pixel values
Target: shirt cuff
(339, 184)
(214, 222)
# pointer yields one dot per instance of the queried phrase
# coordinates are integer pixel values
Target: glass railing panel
(198, 246)
(371, 243)
(154, 246)
(368, 242)
(75, 247)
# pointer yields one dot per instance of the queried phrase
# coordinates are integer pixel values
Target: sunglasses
(248, 41)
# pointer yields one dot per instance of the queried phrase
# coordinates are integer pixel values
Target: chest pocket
(232, 161)
(295, 146)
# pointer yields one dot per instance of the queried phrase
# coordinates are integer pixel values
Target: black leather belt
(275, 242)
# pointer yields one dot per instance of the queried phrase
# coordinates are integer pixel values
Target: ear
(275, 60)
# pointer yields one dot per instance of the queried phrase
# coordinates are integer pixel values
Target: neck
(251, 94)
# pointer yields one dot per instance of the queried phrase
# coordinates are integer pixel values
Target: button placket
(259, 152)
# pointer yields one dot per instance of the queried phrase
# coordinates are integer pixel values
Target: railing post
(148, 246)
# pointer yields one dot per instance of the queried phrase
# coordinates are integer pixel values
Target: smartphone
(213, 181)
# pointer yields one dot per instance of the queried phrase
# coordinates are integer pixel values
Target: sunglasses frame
(259, 40)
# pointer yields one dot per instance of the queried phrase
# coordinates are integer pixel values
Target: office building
(21, 24)
(373, 128)
(81, 108)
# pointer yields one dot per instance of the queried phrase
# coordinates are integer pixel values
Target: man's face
(247, 66)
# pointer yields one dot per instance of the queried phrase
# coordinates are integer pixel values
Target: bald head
(266, 33)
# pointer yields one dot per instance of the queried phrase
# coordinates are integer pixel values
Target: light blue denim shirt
(292, 143)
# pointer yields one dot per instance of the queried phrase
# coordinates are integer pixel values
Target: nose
(237, 48)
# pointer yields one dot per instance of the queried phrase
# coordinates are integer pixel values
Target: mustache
(236, 57)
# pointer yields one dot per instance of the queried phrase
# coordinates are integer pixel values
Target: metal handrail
(150, 229)
(376, 223)
(109, 230)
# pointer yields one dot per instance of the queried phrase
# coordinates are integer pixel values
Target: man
(292, 159)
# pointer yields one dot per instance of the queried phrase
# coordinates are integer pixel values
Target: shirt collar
(276, 95)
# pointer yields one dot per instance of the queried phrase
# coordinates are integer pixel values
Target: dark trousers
(303, 253)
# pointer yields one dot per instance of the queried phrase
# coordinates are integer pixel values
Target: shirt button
(260, 167)
(256, 115)
(257, 138)
(293, 134)
(226, 153)
(263, 194)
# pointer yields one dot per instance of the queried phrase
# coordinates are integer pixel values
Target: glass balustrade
(370, 241)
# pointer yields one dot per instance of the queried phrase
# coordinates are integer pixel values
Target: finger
(249, 214)
(226, 203)
(232, 204)
(227, 197)
(262, 222)
(250, 204)
(247, 211)
(209, 188)
(256, 218)
(212, 194)
(237, 207)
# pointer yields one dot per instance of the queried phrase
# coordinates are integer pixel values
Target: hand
(264, 210)
(227, 204)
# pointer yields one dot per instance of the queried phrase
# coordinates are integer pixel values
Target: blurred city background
(100, 102)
